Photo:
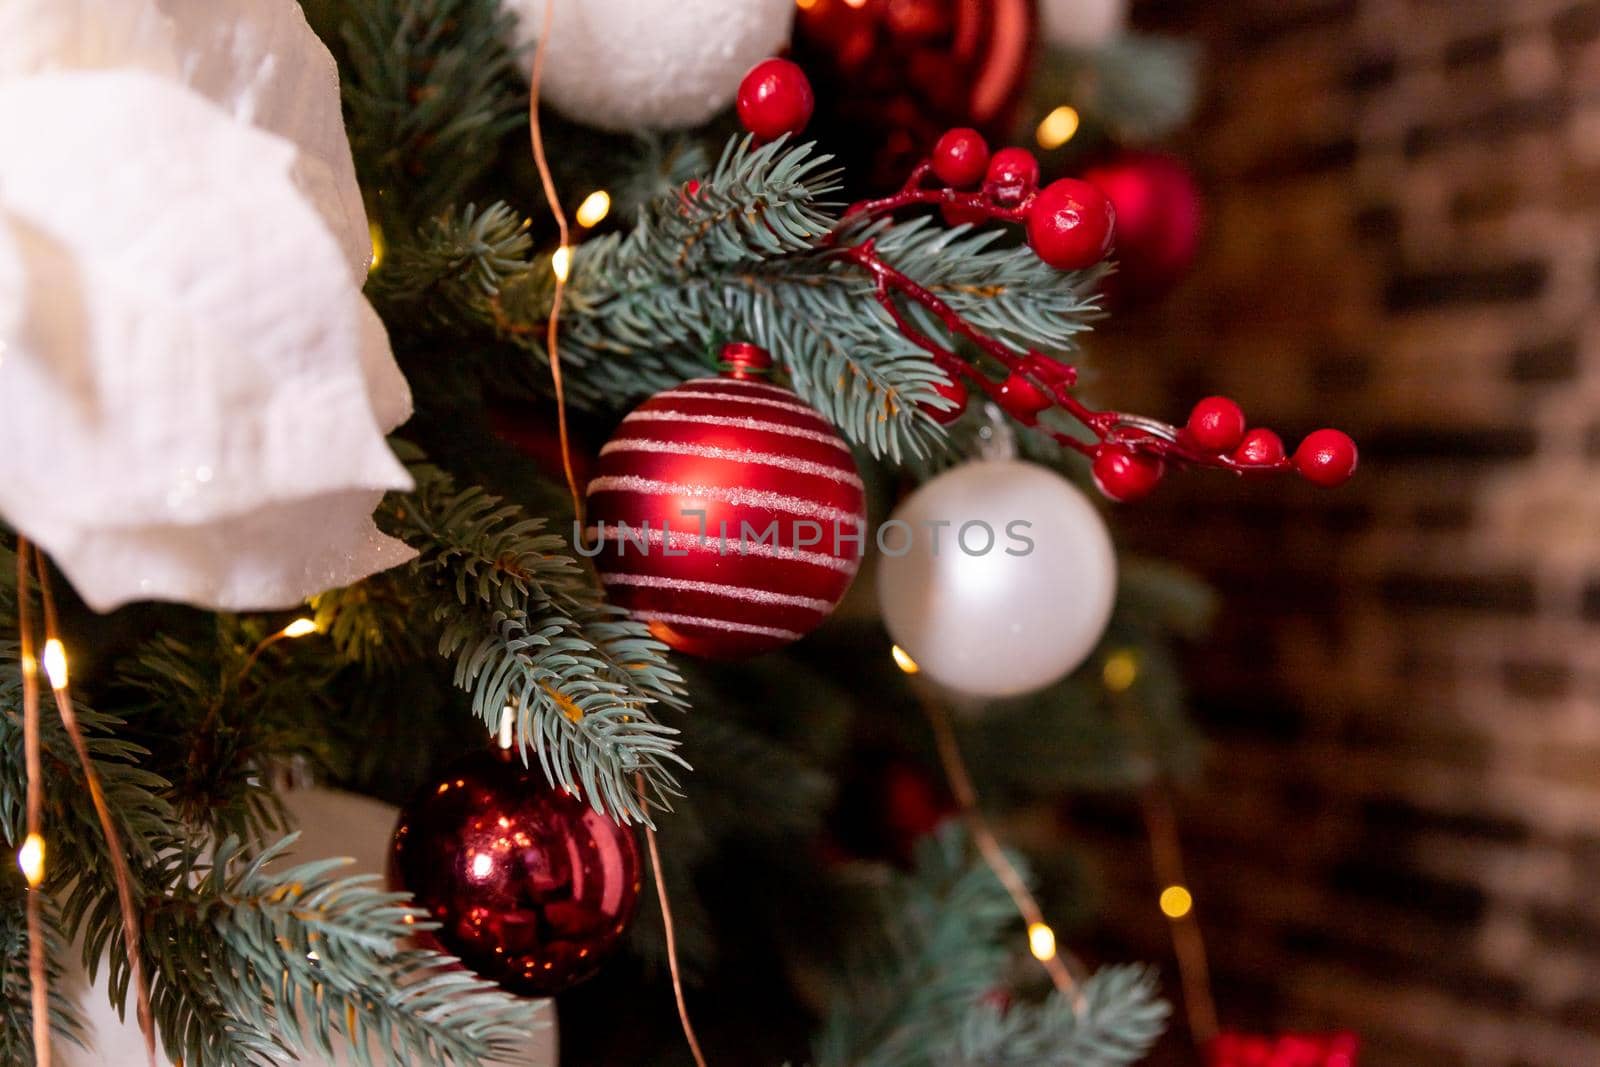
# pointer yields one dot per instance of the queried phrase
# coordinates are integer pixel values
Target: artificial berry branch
(1069, 225)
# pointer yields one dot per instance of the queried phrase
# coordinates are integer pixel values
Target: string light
(379, 246)
(595, 207)
(1121, 671)
(1176, 901)
(30, 857)
(1058, 127)
(561, 262)
(1041, 942)
(55, 664)
(805, 5)
(300, 628)
(903, 660)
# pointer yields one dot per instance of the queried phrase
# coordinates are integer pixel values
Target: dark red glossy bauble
(531, 887)
(1159, 217)
(755, 510)
(774, 99)
(1326, 457)
(1125, 475)
(892, 75)
(1070, 224)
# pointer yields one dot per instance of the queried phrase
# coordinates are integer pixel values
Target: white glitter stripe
(717, 624)
(732, 592)
(781, 405)
(736, 455)
(630, 536)
(735, 495)
(742, 422)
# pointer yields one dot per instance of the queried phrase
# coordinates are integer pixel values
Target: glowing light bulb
(508, 719)
(30, 857)
(1058, 127)
(55, 664)
(300, 628)
(1041, 942)
(561, 262)
(595, 207)
(379, 246)
(1120, 672)
(1176, 901)
(482, 865)
(903, 660)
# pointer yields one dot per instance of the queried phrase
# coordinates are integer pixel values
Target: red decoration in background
(532, 888)
(892, 75)
(774, 99)
(1159, 217)
(751, 456)
(1285, 1050)
(887, 802)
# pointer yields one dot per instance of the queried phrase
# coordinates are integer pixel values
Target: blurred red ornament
(1159, 217)
(756, 514)
(887, 802)
(1284, 1050)
(891, 76)
(774, 99)
(531, 887)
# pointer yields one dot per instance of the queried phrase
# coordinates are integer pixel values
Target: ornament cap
(744, 361)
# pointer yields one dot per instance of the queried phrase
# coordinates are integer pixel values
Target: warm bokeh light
(1042, 942)
(1176, 901)
(1057, 128)
(595, 207)
(903, 660)
(1121, 671)
(508, 720)
(55, 663)
(561, 262)
(378, 246)
(300, 628)
(30, 857)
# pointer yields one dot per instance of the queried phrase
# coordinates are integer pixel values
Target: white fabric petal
(188, 346)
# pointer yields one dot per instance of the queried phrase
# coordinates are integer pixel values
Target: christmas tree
(370, 428)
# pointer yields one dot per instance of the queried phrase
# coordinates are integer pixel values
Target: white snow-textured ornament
(625, 64)
(1082, 23)
(997, 577)
(332, 824)
(193, 391)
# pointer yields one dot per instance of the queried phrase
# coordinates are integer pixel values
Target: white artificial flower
(193, 391)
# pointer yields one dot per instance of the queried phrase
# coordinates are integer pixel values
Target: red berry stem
(1035, 382)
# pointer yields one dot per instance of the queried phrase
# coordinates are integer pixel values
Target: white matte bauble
(332, 824)
(997, 577)
(1082, 23)
(623, 64)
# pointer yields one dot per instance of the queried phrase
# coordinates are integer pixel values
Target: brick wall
(1399, 830)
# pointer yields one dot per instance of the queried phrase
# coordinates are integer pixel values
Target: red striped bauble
(726, 513)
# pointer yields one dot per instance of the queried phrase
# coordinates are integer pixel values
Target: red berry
(1216, 424)
(953, 390)
(1125, 475)
(960, 157)
(1021, 398)
(1070, 224)
(1260, 448)
(1013, 174)
(956, 214)
(774, 99)
(1326, 457)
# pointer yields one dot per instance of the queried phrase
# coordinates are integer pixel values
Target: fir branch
(916, 1000)
(430, 88)
(528, 630)
(16, 1003)
(1118, 1022)
(455, 264)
